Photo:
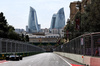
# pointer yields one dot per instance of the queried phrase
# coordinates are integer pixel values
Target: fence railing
(12, 46)
(87, 44)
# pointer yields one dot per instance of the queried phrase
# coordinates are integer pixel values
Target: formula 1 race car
(13, 57)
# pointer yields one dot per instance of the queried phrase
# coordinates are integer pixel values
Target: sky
(17, 11)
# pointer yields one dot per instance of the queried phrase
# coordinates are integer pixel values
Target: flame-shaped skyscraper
(53, 21)
(33, 25)
(60, 19)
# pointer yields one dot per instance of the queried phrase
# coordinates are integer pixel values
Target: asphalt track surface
(43, 59)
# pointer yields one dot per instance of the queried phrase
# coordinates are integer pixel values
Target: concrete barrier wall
(75, 57)
(88, 60)
(95, 61)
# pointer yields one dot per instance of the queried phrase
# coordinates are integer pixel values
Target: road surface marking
(64, 60)
(3, 61)
(76, 65)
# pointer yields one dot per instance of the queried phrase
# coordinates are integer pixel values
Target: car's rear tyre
(21, 58)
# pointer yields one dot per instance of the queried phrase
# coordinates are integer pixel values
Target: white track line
(64, 60)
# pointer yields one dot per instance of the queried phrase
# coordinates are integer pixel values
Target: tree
(69, 30)
(91, 17)
(95, 16)
(22, 37)
(14, 36)
(27, 38)
(89, 20)
(10, 28)
(7, 31)
(3, 26)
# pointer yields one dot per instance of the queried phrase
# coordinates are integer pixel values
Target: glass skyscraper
(60, 19)
(53, 21)
(33, 25)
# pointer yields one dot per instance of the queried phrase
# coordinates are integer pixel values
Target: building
(58, 31)
(60, 19)
(33, 25)
(74, 10)
(39, 27)
(54, 31)
(46, 31)
(27, 30)
(61, 32)
(53, 21)
(49, 38)
(85, 2)
(20, 31)
(58, 23)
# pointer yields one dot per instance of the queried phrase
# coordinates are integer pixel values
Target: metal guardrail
(12, 46)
